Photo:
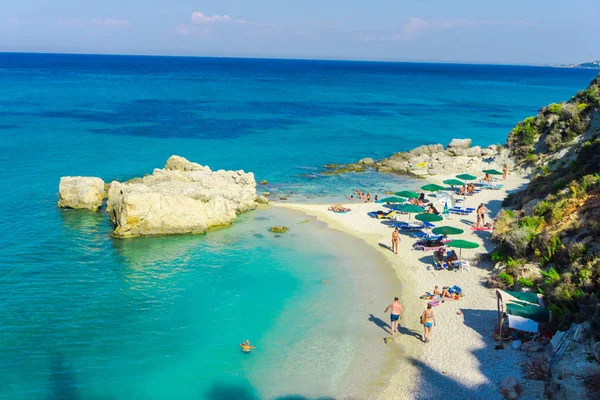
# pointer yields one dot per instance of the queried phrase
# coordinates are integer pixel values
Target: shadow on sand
(380, 323)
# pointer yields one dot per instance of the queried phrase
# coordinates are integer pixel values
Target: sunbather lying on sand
(441, 293)
(338, 208)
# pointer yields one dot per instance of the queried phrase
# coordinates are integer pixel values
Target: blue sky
(486, 31)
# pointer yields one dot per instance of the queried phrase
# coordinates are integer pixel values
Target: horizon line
(391, 61)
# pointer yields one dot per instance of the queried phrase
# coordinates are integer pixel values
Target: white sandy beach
(460, 361)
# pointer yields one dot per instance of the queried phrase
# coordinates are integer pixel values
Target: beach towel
(483, 228)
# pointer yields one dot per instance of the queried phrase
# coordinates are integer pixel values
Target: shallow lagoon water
(85, 316)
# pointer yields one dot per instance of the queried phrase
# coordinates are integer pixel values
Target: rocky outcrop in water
(81, 192)
(184, 197)
(432, 159)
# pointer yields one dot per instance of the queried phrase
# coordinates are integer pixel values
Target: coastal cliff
(184, 197)
(548, 236)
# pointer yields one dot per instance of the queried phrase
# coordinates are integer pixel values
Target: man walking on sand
(396, 308)
(395, 240)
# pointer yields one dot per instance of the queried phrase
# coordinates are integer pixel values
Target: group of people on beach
(427, 317)
(360, 195)
(467, 189)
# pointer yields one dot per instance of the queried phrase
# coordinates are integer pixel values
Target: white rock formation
(458, 157)
(81, 192)
(184, 197)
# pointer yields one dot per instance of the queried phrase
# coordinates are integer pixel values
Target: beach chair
(430, 245)
(460, 212)
(439, 265)
(428, 225)
(411, 227)
(465, 265)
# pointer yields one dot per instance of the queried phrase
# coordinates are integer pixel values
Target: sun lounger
(463, 208)
(495, 186)
(382, 215)
(460, 212)
(427, 236)
(425, 248)
(411, 227)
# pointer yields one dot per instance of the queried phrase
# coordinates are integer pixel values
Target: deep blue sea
(84, 316)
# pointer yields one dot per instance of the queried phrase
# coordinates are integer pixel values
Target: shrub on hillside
(555, 108)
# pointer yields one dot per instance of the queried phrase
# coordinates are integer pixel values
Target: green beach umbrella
(447, 230)
(466, 177)
(392, 200)
(408, 194)
(409, 208)
(432, 187)
(492, 172)
(428, 217)
(453, 182)
(462, 244)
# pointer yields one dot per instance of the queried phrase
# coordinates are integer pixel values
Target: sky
(480, 31)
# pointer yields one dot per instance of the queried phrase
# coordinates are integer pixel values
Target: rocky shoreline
(433, 159)
(184, 197)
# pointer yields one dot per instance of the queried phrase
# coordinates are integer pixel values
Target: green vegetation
(506, 278)
(554, 127)
(526, 282)
(553, 225)
(555, 108)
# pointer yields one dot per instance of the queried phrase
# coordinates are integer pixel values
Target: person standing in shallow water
(395, 240)
(428, 317)
(396, 308)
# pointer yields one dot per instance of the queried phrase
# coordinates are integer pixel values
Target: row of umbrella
(426, 217)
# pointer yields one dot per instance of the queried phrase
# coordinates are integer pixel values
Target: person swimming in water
(246, 348)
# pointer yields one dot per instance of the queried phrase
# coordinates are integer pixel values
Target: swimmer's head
(246, 342)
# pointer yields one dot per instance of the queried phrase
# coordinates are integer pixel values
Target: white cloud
(416, 27)
(203, 24)
(78, 23)
(199, 18)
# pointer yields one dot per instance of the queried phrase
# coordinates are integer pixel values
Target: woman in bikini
(504, 171)
(395, 240)
(429, 317)
(481, 215)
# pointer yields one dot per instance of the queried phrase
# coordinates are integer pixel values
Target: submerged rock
(184, 197)
(278, 229)
(81, 192)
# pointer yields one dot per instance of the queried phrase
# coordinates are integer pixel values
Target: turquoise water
(84, 316)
